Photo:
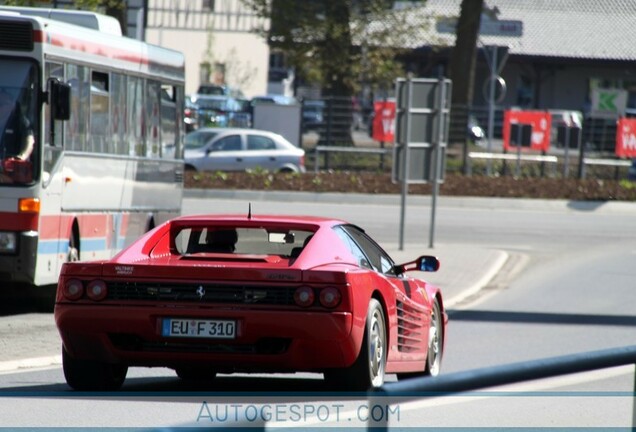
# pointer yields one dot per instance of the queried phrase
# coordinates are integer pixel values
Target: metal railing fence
(458, 382)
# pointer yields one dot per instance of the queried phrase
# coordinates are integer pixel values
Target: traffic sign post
(421, 137)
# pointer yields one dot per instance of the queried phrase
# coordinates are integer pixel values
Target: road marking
(496, 266)
(522, 389)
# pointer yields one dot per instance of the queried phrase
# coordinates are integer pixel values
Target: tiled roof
(599, 29)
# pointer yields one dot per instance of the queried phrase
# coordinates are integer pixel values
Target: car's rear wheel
(435, 341)
(435, 345)
(368, 369)
(91, 375)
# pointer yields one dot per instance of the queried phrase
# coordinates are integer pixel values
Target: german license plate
(198, 328)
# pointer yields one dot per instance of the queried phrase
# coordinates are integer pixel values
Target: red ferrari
(227, 293)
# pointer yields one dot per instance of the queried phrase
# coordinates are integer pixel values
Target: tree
(338, 44)
(342, 46)
(462, 69)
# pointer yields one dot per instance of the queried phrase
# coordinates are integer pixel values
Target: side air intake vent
(16, 36)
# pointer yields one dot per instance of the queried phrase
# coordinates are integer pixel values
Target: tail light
(302, 161)
(73, 289)
(330, 297)
(304, 296)
(97, 290)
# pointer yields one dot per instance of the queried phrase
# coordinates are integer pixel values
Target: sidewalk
(464, 269)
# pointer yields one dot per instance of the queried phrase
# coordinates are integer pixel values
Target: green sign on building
(608, 103)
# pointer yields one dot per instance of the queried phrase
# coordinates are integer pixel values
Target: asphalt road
(570, 291)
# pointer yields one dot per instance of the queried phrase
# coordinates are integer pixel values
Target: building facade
(218, 39)
(556, 53)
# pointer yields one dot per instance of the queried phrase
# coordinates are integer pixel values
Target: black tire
(195, 373)
(90, 375)
(368, 369)
(42, 297)
(435, 346)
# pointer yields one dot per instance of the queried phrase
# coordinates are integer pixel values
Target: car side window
(378, 259)
(258, 142)
(359, 255)
(228, 143)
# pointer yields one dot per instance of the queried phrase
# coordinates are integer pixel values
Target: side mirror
(427, 263)
(60, 99)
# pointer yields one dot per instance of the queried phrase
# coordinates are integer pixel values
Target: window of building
(525, 92)
(207, 5)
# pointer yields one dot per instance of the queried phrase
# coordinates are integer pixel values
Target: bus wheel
(73, 249)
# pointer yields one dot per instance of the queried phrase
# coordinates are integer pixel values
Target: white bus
(91, 156)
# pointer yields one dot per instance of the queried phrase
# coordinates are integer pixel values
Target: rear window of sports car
(241, 240)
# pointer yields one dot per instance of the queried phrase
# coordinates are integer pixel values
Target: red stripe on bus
(81, 45)
(50, 226)
(95, 225)
(91, 226)
(18, 221)
(125, 220)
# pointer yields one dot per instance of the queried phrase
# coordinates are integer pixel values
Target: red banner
(384, 121)
(540, 121)
(626, 138)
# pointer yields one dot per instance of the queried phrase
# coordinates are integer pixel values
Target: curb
(31, 363)
(482, 282)
(523, 204)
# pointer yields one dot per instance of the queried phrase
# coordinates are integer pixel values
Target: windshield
(18, 121)
(212, 104)
(241, 240)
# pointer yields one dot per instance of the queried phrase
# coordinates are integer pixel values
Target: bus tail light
(29, 205)
(97, 290)
(330, 297)
(73, 289)
(304, 296)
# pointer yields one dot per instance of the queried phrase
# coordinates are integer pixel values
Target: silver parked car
(240, 149)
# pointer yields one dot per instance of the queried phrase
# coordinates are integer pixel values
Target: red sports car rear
(222, 294)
